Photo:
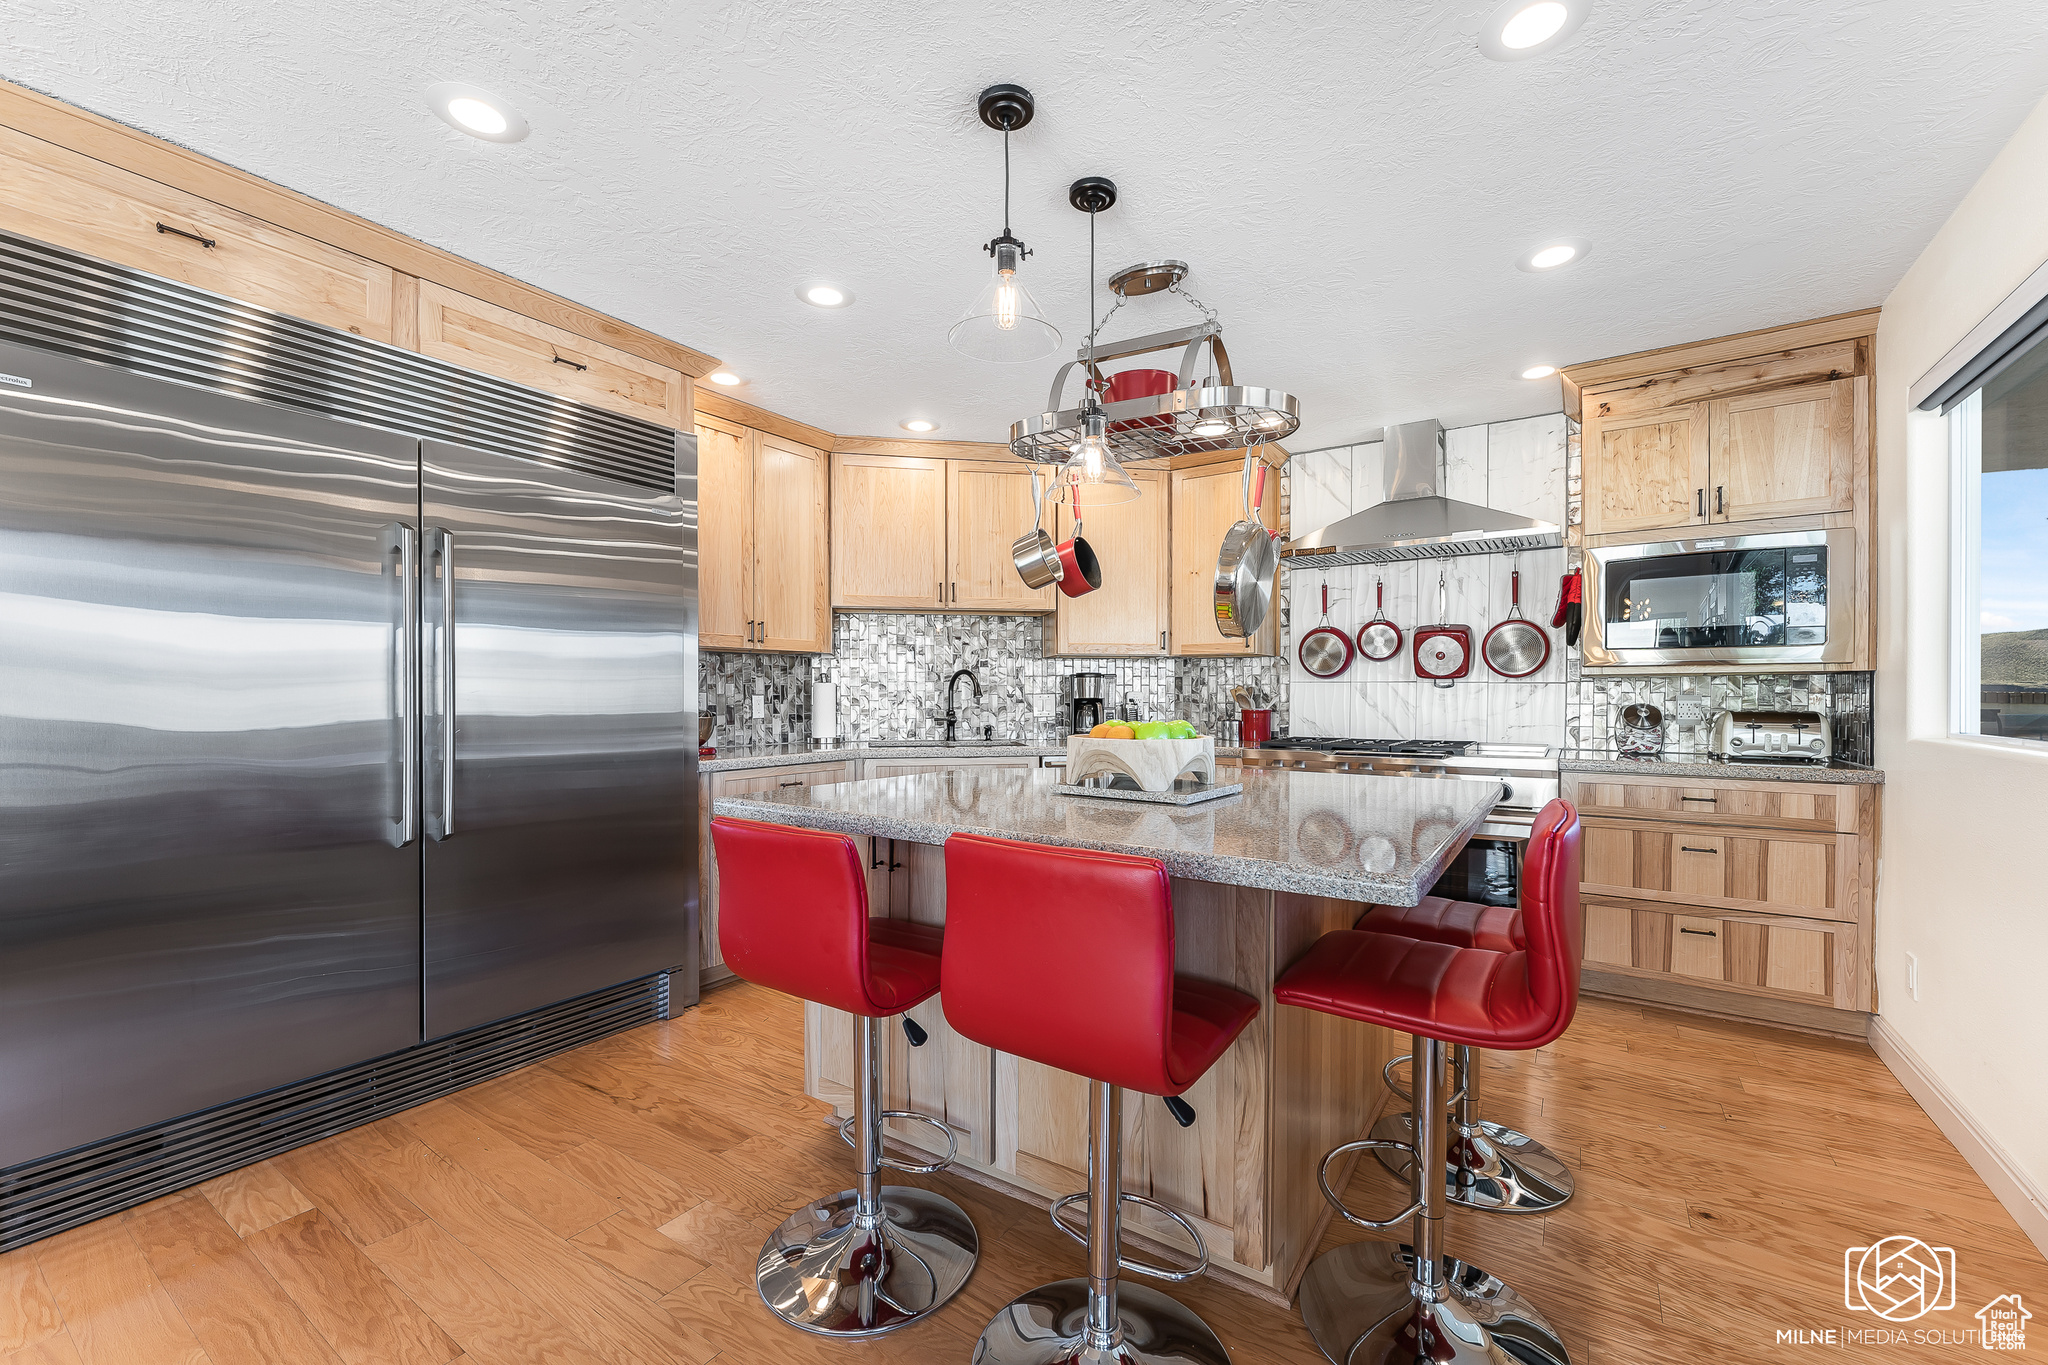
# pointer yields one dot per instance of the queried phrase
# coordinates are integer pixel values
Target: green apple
(1180, 729)
(1151, 729)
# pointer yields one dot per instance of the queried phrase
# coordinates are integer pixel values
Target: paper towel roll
(824, 710)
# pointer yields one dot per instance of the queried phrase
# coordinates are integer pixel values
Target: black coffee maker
(1088, 692)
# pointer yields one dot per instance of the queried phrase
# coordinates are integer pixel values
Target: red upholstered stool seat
(1448, 973)
(793, 916)
(1065, 957)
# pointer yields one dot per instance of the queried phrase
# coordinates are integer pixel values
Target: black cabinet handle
(188, 236)
(1710, 800)
(1703, 933)
(1688, 848)
(564, 360)
(1699, 497)
(798, 783)
(1720, 507)
(874, 853)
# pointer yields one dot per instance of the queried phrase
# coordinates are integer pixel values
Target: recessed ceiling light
(1553, 254)
(821, 295)
(726, 377)
(918, 424)
(1539, 372)
(476, 111)
(1530, 28)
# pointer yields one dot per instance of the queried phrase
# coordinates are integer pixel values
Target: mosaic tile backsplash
(1843, 697)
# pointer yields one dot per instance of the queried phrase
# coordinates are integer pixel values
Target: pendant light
(1004, 322)
(1092, 475)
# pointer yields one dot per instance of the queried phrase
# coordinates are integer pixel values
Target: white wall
(1512, 466)
(1965, 823)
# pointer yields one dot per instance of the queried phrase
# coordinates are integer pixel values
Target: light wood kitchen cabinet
(762, 549)
(725, 547)
(1646, 471)
(482, 336)
(711, 961)
(1207, 502)
(1750, 898)
(1781, 434)
(1128, 614)
(912, 534)
(792, 559)
(988, 505)
(888, 533)
(69, 200)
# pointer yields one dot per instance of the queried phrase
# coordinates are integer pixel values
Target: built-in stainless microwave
(1785, 597)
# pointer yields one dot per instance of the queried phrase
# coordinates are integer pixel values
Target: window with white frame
(1999, 445)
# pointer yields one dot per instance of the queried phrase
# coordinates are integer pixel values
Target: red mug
(1254, 727)
(1079, 571)
(1140, 384)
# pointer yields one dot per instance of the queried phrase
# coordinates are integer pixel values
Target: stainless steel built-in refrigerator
(320, 739)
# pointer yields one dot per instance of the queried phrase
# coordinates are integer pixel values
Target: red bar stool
(1378, 1301)
(1065, 957)
(1491, 1166)
(793, 916)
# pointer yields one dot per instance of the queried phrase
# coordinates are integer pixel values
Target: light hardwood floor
(606, 1206)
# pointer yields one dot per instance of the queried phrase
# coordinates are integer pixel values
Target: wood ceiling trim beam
(710, 400)
(40, 116)
(1590, 375)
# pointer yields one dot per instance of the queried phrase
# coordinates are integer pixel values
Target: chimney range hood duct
(1416, 521)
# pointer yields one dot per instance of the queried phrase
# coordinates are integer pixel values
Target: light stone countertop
(784, 755)
(1383, 840)
(1699, 765)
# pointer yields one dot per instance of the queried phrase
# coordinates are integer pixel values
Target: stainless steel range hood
(1416, 521)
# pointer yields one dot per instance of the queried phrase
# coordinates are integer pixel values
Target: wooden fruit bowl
(1152, 763)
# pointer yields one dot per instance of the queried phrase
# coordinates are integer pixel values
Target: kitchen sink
(945, 743)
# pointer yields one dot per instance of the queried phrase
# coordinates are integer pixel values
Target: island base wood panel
(1293, 1085)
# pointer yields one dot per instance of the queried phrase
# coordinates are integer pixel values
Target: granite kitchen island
(1257, 878)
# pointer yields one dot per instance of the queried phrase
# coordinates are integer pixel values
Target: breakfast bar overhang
(1257, 878)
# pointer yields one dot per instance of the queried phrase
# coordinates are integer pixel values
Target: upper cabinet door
(482, 336)
(1787, 452)
(1127, 614)
(1646, 471)
(888, 533)
(988, 505)
(74, 201)
(725, 549)
(1207, 502)
(792, 599)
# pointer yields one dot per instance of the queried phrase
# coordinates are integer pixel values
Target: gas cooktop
(1408, 748)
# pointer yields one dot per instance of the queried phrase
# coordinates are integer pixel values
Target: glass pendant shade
(1093, 474)
(1004, 322)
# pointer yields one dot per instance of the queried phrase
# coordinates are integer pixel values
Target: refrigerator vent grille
(83, 307)
(48, 1195)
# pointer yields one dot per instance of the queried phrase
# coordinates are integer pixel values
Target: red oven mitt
(1570, 612)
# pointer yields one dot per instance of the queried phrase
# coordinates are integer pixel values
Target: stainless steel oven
(1784, 597)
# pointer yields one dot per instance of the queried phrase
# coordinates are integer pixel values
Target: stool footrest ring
(1157, 1272)
(1364, 1145)
(890, 1163)
(1392, 1084)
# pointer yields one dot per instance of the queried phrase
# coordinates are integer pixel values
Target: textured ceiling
(1352, 182)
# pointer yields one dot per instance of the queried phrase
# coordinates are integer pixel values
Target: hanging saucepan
(1245, 565)
(1379, 639)
(1038, 563)
(1079, 570)
(1517, 646)
(1325, 651)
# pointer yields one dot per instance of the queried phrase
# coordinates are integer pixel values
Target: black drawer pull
(188, 236)
(798, 783)
(564, 360)
(1688, 848)
(1710, 800)
(1703, 933)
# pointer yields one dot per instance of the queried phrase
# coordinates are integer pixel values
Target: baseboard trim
(2007, 1182)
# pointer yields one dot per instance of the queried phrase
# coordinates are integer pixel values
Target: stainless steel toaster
(1746, 736)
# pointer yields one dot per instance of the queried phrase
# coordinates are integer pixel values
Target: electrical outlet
(1913, 976)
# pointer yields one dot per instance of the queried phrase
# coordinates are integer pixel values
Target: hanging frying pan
(1379, 639)
(1516, 647)
(1246, 563)
(1325, 651)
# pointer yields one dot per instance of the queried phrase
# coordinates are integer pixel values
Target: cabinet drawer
(1815, 806)
(1819, 875)
(777, 779)
(1813, 960)
(482, 336)
(69, 200)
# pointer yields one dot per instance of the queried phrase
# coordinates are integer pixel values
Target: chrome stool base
(1360, 1305)
(1490, 1166)
(822, 1272)
(1045, 1327)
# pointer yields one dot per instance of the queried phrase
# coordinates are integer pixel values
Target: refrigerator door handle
(444, 680)
(404, 542)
